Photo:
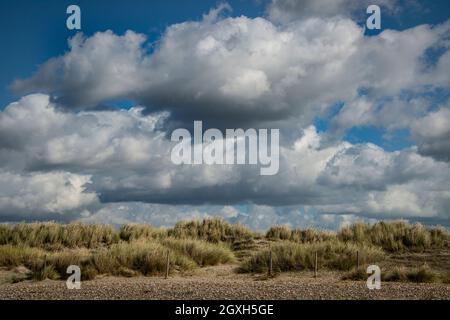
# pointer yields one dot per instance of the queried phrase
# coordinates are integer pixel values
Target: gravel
(222, 283)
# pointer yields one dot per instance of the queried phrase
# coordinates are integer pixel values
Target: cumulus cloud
(239, 71)
(128, 159)
(36, 196)
(104, 66)
(65, 155)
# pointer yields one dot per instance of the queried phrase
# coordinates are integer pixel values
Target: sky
(86, 115)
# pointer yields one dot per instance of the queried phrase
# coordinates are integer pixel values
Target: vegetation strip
(47, 249)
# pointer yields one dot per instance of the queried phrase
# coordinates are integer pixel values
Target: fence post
(357, 259)
(167, 264)
(315, 264)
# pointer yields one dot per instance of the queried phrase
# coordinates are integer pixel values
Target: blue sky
(364, 117)
(35, 31)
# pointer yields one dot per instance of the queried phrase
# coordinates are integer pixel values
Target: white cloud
(229, 212)
(128, 159)
(44, 195)
(104, 66)
(242, 71)
(232, 72)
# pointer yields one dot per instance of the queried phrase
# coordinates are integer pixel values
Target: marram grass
(291, 256)
(47, 249)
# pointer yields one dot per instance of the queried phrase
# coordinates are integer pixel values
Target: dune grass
(202, 252)
(421, 274)
(291, 256)
(130, 232)
(47, 249)
(14, 256)
(54, 236)
(391, 236)
(137, 257)
(395, 236)
(298, 235)
(212, 230)
(147, 258)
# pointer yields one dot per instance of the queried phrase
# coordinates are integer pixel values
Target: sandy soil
(221, 282)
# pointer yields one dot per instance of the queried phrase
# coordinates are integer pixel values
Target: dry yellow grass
(47, 249)
(291, 256)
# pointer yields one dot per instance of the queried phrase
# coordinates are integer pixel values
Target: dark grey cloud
(432, 134)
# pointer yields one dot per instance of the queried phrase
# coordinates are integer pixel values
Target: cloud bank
(127, 158)
(64, 155)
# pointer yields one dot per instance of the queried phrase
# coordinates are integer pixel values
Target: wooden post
(270, 262)
(315, 264)
(167, 264)
(357, 259)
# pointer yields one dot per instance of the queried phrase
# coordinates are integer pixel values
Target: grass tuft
(47, 249)
(131, 232)
(290, 256)
(395, 236)
(298, 235)
(54, 236)
(202, 252)
(399, 274)
(212, 230)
